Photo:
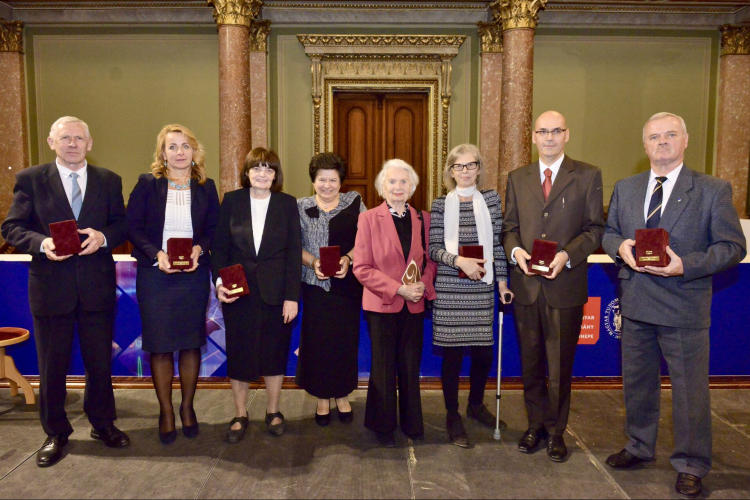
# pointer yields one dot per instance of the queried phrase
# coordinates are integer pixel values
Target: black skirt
(329, 343)
(257, 340)
(173, 308)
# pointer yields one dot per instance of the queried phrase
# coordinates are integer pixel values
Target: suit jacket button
(546, 214)
(544, 235)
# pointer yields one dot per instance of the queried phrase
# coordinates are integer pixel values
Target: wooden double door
(372, 127)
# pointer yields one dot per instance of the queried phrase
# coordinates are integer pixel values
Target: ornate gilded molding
(735, 40)
(517, 14)
(381, 40)
(259, 31)
(491, 36)
(372, 6)
(236, 12)
(11, 36)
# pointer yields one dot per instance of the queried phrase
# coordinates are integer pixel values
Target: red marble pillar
(14, 143)
(733, 136)
(491, 92)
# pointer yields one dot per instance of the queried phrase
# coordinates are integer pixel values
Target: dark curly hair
(328, 161)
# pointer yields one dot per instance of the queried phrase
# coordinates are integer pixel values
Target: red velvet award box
(329, 260)
(471, 251)
(233, 279)
(542, 254)
(179, 250)
(66, 237)
(651, 247)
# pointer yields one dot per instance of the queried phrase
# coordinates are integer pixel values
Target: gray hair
(448, 181)
(68, 119)
(664, 114)
(396, 163)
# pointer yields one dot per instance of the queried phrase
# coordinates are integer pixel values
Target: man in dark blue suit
(71, 290)
(667, 310)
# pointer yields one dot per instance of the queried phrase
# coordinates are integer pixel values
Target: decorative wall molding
(328, 41)
(735, 40)
(11, 36)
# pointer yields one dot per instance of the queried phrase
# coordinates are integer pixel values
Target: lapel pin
(679, 200)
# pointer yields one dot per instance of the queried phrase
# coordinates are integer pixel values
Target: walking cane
(507, 297)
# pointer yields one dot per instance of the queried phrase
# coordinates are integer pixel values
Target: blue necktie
(654, 206)
(77, 197)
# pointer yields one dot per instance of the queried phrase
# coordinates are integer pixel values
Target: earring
(165, 163)
(192, 163)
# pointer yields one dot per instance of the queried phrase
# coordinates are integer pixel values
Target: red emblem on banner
(591, 319)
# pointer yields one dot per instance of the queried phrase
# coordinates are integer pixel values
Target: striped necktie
(77, 197)
(654, 206)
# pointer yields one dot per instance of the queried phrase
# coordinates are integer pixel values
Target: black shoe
(481, 413)
(346, 416)
(623, 460)
(51, 451)
(235, 436)
(688, 485)
(531, 440)
(456, 432)
(323, 420)
(190, 431)
(386, 439)
(556, 449)
(169, 436)
(112, 436)
(415, 437)
(277, 429)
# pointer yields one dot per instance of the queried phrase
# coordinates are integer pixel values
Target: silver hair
(396, 163)
(448, 181)
(664, 114)
(68, 119)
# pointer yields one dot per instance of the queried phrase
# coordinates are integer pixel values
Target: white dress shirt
(666, 187)
(258, 210)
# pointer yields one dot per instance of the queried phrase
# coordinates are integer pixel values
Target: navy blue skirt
(173, 308)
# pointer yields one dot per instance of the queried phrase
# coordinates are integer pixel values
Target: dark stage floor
(344, 461)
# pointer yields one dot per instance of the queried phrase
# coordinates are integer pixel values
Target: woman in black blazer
(176, 200)
(259, 228)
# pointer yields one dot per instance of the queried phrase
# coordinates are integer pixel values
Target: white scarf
(483, 221)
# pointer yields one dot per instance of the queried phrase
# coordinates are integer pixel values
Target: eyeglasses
(555, 132)
(459, 167)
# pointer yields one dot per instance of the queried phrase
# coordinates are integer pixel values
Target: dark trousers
(396, 340)
(54, 342)
(481, 363)
(548, 338)
(686, 351)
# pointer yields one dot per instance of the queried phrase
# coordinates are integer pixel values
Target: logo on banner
(591, 321)
(613, 319)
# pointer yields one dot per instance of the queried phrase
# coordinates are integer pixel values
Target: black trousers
(396, 340)
(548, 338)
(54, 342)
(481, 364)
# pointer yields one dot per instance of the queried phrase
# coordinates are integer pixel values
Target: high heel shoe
(169, 436)
(190, 431)
(346, 416)
(323, 420)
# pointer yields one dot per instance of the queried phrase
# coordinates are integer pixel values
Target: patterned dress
(463, 312)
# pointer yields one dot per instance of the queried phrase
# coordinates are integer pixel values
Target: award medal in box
(179, 250)
(329, 260)
(233, 279)
(471, 251)
(66, 237)
(542, 254)
(651, 247)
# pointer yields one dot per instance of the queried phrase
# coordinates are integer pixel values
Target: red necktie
(547, 184)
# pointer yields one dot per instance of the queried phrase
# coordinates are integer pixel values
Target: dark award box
(542, 254)
(66, 237)
(329, 260)
(233, 279)
(472, 252)
(179, 250)
(651, 247)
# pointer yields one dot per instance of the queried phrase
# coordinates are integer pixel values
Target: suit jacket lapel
(533, 182)
(194, 205)
(245, 216)
(563, 178)
(387, 225)
(162, 188)
(93, 190)
(641, 190)
(272, 216)
(678, 199)
(416, 251)
(57, 191)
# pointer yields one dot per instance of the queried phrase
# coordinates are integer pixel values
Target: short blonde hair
(159, 168)
(664, 114)
(68, 119)
(396, 163)
(448, 181)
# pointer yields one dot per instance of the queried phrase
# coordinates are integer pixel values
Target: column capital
(517, 14)
(735, 40)
(491, 36)
(237, 12)
(11, 36)
(259, 31)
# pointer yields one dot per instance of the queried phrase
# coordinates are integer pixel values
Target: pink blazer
(379, 260)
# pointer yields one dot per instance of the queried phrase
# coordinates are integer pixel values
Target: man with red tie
(556, 199)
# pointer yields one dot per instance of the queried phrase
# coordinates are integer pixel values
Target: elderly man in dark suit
(70, 290)
(555, 199)
(667, 310)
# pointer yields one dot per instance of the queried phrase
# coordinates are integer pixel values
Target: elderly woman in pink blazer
(389, 238)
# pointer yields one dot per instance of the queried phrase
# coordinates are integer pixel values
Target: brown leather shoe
(531, 440)
(623, 460)
(688, 485)
(556, 449)
(51, 451)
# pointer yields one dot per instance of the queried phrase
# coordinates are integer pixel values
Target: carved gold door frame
(384, 62)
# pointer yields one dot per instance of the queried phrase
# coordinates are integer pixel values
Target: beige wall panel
(127, 87)
(608, 87)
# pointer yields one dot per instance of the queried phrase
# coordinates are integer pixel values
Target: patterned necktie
(654, 206)
(547, 184)
(77, 198)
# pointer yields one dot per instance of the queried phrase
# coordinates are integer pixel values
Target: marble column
(519, 19)
(14, 146)
(733, 135)
(491, 35)
(233, 18)
(259, 31)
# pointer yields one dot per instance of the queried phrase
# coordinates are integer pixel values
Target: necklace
(178, 187)
(327, 206)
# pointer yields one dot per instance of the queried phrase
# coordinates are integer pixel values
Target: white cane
(499, 364)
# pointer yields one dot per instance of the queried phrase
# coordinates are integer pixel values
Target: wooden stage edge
(427, 383)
